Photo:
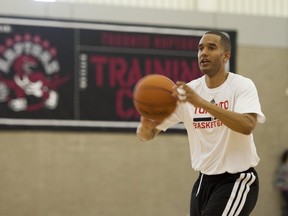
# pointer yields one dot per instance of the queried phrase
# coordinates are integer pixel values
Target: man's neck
(217, 80)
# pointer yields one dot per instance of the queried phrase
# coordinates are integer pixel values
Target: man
(219, 111)
(281, 181)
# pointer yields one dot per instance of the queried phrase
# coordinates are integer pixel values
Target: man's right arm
(147, 129)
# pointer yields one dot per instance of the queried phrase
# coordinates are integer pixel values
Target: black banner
(65, 74)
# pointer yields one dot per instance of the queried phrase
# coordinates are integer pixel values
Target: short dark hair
(224, 40)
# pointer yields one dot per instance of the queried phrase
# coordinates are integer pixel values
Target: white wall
(252, 31)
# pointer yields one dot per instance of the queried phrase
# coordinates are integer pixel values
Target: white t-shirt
(214, 148)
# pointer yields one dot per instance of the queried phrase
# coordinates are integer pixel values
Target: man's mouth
(204, 61)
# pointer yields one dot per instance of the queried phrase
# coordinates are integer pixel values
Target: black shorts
(225, 194)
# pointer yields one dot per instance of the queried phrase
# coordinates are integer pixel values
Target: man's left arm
(240, 122)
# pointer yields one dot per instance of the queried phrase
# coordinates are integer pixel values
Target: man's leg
(234, 196)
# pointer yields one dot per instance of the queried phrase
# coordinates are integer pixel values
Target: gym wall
(75, 173)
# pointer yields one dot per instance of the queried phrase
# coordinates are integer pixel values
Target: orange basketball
(152, 97)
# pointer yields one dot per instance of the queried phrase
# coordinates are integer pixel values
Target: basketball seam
(154, 104)
(155, 87)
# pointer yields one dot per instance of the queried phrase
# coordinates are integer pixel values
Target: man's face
(211, 55)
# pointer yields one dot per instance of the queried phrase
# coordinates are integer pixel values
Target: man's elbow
(251, 120)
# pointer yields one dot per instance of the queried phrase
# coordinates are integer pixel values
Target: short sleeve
(247, 100)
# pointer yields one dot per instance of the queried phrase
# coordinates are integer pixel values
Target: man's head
(214, 52)
(224, 40)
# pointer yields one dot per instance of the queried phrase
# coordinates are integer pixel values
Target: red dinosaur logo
(29, 74)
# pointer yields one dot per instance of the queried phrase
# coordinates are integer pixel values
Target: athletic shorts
(225, 194)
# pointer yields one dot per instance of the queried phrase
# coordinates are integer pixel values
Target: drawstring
(199, 184)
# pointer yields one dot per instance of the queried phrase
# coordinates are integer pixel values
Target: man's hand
(185, 94)
(147, 129)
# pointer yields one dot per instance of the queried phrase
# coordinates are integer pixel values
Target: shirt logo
(203, 120)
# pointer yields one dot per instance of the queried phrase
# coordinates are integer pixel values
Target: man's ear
(227, 56)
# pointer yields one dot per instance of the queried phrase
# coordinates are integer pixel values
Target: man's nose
(203, 52)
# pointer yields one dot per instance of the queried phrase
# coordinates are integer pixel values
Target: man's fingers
(180, 83)
(181, 92)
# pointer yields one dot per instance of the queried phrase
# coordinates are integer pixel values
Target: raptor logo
(29, 74)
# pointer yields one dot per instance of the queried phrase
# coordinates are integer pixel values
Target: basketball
(152, 97)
